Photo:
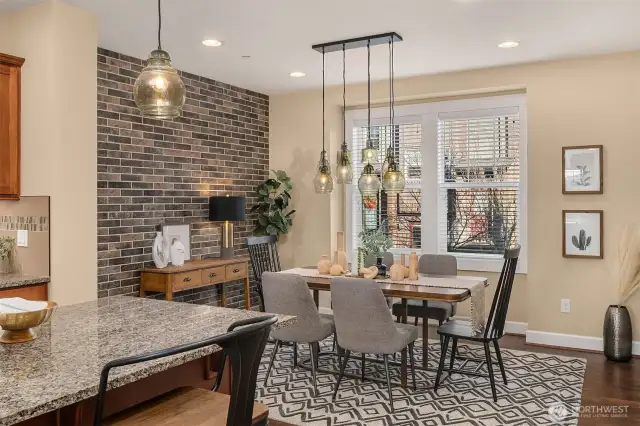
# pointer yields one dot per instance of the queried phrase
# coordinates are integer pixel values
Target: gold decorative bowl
(17, 328)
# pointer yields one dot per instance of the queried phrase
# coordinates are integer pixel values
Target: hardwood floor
(605, 383)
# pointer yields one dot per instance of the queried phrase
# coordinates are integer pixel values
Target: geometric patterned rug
(539, 387)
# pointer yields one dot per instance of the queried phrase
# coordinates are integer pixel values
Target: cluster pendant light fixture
(159, 91)
(323, 181)
(369, 182)
(392, 178)
(344, 169)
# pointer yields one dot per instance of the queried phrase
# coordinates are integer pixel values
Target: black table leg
(316, 297)
(425, 334)
(405, 312)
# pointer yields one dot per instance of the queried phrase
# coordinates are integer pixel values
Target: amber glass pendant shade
(368, 184)
(159, 91)
(393, 179)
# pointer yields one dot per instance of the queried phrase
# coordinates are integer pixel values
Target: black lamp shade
(226, 208)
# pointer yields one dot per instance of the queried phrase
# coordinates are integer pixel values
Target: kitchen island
(53, 379)
(26, 286)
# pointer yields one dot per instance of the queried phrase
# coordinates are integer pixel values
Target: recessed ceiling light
(297, 74)
(246, 56)
(212, 43)
(508, 44)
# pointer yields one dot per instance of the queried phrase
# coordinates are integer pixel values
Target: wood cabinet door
(10, 126)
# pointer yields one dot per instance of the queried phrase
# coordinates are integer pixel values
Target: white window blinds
(478, 181)
(398, 214)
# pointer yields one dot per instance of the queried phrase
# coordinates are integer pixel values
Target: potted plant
(7, 254)
(617, 330)
(374, 242)
(274, 197)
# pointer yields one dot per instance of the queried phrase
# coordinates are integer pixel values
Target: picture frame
(582, 169)
(583, 234)
(182, 233)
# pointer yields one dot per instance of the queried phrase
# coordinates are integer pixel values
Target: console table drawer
(213, 275)
(236, 272)
(187, 280)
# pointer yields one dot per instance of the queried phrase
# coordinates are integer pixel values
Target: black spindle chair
(494, 330)
(243, 344)
(264, 258)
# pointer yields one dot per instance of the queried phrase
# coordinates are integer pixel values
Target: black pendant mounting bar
(356, 43)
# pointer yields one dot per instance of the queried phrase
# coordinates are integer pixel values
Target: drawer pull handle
(211, 275)
(235, 271)
(187, 279)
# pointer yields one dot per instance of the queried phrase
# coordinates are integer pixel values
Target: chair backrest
(360, 312)
(500, 304)
(438, 264)
(264, 255)
(244, 347)
(371, 260)
(289, 294)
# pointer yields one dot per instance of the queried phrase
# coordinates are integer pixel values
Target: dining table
(427, 288)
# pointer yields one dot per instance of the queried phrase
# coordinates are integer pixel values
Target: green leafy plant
(7, 246)
(274, 197)
(375, 241)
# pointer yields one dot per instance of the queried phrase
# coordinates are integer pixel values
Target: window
(465, 166)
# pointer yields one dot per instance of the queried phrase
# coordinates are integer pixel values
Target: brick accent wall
(154, 172)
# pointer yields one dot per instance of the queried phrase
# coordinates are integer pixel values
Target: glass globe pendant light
(344, 169)
(392, 178)
(159, 91)
(323, 181)
(369, 183)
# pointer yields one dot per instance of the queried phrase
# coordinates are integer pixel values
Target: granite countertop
(19, 280)
(62, 365)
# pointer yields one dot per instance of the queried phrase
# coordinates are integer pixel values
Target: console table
(195, 274)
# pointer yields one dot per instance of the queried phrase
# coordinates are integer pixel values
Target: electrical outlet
(22, 238)
(565, 306)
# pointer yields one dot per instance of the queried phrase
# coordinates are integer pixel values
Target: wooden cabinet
(32, 292)
(10, 126)
(198, 273)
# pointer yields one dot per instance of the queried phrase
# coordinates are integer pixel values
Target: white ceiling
(440, 35)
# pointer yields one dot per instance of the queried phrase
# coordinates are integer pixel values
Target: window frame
(427, 115)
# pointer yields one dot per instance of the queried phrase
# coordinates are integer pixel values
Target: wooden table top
(192, 265)
(418, 292)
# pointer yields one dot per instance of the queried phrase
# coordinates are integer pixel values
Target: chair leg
(363, 367)
(398, 318)
(413, 366)
(314, 366)
(415, 321)
(492, 379)
(499, 355)
(273, 358)
(443, 356)
(333, 347)
(342, 367)
(441, 337)
(386, 371)
(454, 348)
(295, 355)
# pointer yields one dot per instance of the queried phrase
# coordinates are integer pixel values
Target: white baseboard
(571, 341)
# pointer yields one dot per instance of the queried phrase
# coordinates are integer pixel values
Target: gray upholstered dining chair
(289, 294)
(365, 325)
(432, 264)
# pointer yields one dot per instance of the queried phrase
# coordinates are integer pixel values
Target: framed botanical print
(582, 234)
(582, 169)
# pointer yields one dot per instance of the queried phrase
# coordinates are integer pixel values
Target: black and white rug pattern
(536, 383)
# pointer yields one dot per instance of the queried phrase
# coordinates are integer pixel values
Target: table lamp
(226, 209)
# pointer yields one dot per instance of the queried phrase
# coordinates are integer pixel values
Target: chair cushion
(304, 331)
(440, 311)
(459, 328)
(183, 406)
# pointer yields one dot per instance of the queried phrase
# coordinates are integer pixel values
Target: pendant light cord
(159, 25)
(390, 96)
(323, 151)
(369, 93)
(344, 97)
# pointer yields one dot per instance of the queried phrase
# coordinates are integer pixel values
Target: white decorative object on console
(177, 252)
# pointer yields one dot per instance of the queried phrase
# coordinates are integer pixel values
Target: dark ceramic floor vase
(618, 334)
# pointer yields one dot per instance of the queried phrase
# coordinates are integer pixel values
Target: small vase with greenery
(618, 333)
(373, 242)
(274, 196)
(7, 254)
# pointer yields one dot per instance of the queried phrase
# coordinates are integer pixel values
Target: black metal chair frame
(243, 346)
(264, 257)
(493, 331)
